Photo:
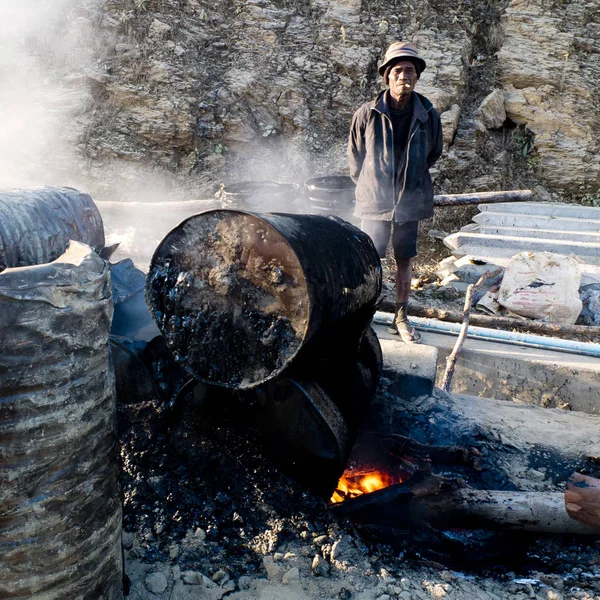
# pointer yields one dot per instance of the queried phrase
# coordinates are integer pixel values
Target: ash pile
(249, 383)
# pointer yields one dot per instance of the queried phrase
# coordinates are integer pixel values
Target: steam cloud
(43, 54)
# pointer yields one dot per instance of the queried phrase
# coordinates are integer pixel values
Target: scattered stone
(173, 552)
(491, 112)
(192, 578)
(405, 584)
(220, 577)
(244, 582)
(291, 576)
(156, 582)
(273, 570)
(320, 566)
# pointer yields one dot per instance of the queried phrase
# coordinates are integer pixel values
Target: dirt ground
(207, 515)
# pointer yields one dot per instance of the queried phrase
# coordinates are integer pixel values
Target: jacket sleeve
(356, 145)
(437, 137)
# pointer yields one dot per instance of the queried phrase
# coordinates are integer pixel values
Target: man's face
(403, 78)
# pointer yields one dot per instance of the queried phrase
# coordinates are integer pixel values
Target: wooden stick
(482, 198)
(451, 358)
(582, 499)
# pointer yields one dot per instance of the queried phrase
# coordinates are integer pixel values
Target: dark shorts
(404, 237)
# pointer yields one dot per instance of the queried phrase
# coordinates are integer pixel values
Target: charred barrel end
(229, 296)
(237, 295)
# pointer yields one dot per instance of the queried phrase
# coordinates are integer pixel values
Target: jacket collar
(421, 105)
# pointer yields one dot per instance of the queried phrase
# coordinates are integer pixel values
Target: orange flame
(353, 484)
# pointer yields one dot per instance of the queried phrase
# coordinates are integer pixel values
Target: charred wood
(432, 502)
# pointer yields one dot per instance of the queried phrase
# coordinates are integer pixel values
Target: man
(393, 142)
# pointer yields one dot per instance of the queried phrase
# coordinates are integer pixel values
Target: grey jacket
(380, 196)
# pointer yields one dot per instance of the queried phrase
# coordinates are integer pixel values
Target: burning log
(37, 224)
(238, 296)
(431, 501)
(482, 198)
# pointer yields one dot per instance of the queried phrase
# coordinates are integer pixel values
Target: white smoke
(44, 49)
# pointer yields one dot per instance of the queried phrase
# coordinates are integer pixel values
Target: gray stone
(220, 577)
(192, 578)
(450, 119)
(291, 576)
(590, 296)
(156, 582)
(320, 566)
(343, 550)
(245, 582)
(491, 112)
(273, 570)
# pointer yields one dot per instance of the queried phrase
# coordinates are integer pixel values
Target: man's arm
(436, 126)
(356, 145)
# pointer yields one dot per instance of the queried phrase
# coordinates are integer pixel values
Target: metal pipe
(496, 335)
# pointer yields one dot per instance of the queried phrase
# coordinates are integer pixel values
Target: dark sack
(36, 224)
(60, 511)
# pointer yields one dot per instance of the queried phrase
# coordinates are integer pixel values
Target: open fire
(354, 483)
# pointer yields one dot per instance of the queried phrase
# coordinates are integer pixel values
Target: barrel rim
(320, 183)
(255, 187)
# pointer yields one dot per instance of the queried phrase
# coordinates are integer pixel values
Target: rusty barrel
(36, 224)
(332, 194)
(238, 296)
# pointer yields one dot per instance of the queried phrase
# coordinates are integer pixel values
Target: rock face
(549, 68)
(214, 92)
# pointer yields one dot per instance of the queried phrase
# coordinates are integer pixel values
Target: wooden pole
(482, 198)
(542, 512)
(436, 502)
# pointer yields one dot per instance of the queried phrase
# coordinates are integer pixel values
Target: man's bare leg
(401, 324)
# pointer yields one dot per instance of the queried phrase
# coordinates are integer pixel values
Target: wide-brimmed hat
(402, 51)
